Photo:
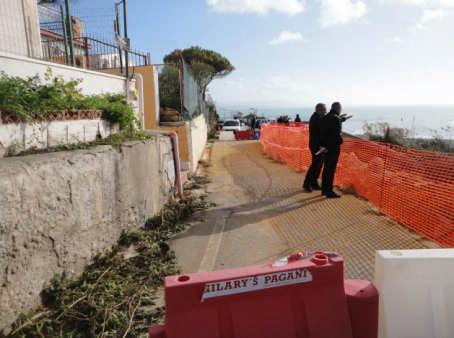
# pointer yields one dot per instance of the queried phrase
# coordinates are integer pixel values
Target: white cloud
(418, 27)
(447, 3)
(340, 12)
(432, 10)
(287, 36)
(428, 15)
(410, 2)
(425, 3)
(282, 83)
(394, 39)
(289, 7)
(432, 14)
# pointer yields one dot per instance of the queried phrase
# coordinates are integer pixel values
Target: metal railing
(80, 49)
(88, 52)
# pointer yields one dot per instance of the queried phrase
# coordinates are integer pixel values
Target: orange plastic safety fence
(414, 187)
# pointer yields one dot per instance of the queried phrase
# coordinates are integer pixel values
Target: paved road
(262, 214)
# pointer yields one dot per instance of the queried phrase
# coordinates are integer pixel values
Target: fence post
(117, 31)
(380, 207)
(126, 37)
(181, 79)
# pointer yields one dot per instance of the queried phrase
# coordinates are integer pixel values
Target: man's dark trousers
(331, 159)
(314, 170)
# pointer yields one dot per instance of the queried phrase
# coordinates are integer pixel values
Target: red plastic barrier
(292, 298)
(362, 299)
(414, 187)
(244, 135)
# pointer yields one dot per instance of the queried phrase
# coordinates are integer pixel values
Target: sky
(299, 52)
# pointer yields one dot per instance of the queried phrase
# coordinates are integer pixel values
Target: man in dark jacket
(331, 140)
(315, 124)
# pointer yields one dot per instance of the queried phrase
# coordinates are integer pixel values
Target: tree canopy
(206, 65)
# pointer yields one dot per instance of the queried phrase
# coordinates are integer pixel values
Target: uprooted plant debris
(115, 295)
(196, 182)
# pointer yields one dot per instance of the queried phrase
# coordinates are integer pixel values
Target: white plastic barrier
(416, 290)
(226, 136)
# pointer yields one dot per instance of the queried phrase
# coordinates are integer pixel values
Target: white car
(232, 125)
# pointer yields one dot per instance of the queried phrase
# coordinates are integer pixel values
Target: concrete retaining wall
(58, 210)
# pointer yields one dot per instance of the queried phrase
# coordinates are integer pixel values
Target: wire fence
(193, 100)
(180, 91)
(414, 187)
(170, 92)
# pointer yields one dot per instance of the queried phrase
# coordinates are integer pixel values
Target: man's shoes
(307, 189)
(315, 186)
(331, 194)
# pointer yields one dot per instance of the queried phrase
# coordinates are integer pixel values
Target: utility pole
(123, 42)
(65, 34)
(117, 32)
(69, 29)
(125, 21)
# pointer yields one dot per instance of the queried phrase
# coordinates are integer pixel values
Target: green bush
(383, 132)
(31, 99)
(115, 109)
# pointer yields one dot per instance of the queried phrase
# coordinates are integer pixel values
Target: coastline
(423, 121)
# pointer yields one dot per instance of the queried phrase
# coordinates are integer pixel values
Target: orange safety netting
(414, 187)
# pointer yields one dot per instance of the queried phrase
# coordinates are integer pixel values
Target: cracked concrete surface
(262, 214)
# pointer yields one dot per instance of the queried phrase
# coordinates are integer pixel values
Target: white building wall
(93, 82)
(19, 28)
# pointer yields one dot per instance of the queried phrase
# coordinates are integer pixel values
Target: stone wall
(58, 210)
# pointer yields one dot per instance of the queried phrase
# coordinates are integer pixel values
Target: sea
(420, 121)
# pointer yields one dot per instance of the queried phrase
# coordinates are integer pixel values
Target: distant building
(105, 61)
(53, 48)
